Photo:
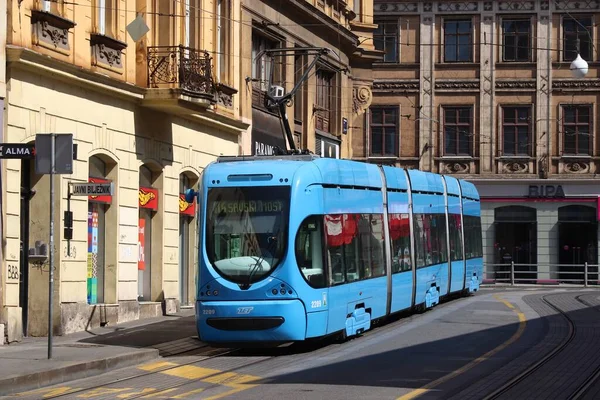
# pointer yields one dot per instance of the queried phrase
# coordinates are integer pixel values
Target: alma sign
(17, 150)
(546, 191)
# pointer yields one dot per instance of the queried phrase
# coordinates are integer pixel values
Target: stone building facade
(482, 90)
(149, 108)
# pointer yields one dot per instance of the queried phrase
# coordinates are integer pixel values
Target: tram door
(577, 239)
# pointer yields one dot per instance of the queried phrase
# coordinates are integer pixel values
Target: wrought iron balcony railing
(178, 66)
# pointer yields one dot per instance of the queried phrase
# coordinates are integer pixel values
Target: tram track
(581, 390)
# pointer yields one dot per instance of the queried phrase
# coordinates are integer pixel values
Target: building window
(577, 128)
(384, 132)
(458, 131)
(356, 7)
(191, 22)
(574, 29)
(325, 100)
(261, 69)
(516, 130)
(53, 6)
(516, 40)
(223, 7)
(107, 17)
(458, 41)
(386, 38)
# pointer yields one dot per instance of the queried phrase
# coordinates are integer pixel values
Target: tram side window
(354, 247)
(455, 237)
(430, 239)
(400, 240)
(309, 251)
(422, 259)
(473, 242)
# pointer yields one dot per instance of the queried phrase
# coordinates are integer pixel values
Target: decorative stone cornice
(458, 6)
(570, 5)
(457, 85)
(512, 85)
(576, 84)
(51, 31)
(396, 86)
(515, 167)
(516, 5)
(387, 8)
(225, 94)
(106, 51)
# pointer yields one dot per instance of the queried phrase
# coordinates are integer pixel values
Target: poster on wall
(92, 256)
(186, 208)
(141, 241)
(148, 198)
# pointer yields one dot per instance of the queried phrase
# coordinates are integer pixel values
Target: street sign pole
(51, 273)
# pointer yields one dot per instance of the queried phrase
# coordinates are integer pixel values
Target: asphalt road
(460, 349)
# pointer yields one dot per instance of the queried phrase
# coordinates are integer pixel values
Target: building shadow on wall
(153, 135)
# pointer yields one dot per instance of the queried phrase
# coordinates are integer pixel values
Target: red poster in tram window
(186, 208)
(141, 247)
(100, 199)
(148, 198)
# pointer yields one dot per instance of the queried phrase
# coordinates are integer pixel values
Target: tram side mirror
(190, 194)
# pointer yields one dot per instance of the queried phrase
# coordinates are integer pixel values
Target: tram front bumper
(251, 321)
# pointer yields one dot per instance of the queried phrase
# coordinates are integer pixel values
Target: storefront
(549, 229)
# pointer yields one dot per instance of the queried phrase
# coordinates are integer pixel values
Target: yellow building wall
(130, 135)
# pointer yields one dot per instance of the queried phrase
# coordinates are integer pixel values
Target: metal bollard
(512, 273)
(585, 274)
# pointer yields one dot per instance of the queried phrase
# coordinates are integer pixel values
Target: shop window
(96, 254)
(187, 213)
(516, 240)
(354, 247)
(148, 206)
(578, 241)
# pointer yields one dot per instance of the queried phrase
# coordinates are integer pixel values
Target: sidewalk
(25, 365)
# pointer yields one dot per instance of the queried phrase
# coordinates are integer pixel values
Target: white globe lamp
(579, 67)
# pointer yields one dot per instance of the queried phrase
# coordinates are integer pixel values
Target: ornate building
(147, 90)
(482, 90)
(328, 106)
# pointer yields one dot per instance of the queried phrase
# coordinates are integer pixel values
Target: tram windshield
(246, 231)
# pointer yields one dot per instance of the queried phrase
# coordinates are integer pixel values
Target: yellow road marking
(59, 391)
(143, 391)
(184, 395)
(102, 391)
(156, 365)
(522, 321)
(191, 372)
(161, 393)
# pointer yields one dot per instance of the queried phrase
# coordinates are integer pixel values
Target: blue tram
(299, 247)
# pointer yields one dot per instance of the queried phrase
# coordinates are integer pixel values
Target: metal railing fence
(513, 273)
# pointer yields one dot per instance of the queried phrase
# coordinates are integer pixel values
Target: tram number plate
(208, 311)
(315, 304)
(244, 310)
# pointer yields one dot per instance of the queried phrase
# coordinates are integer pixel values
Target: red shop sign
(186, 208)
(148, 198)
(100, 199)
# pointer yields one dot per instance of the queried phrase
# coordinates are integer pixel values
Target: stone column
(544, 120)
(426, 115)
(486, 94)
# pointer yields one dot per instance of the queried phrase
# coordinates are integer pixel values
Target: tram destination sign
(92, 189)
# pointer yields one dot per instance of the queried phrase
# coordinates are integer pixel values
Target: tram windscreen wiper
(272, 239)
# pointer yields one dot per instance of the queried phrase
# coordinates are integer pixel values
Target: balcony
(180, 76)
